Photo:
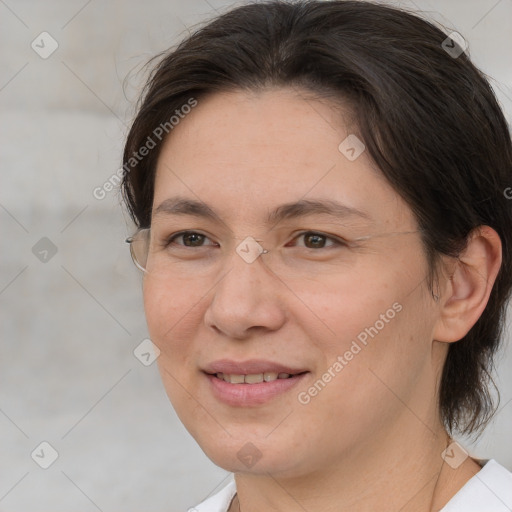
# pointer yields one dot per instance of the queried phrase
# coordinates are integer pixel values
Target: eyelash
(337, 241)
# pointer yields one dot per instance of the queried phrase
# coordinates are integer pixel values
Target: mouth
(253, 378)
(252, 368)
(251, 383)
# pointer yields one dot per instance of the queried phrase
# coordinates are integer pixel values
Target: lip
(248, 367)
(250, 395)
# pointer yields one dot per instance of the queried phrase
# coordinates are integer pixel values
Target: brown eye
(314, 240)
(193, 239)
(189, 238)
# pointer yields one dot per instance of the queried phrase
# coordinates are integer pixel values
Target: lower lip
(245, 395)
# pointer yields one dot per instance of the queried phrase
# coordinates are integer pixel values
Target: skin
(372, 438)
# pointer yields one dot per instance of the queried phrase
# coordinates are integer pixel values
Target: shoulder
(220, 501)
(490, 490)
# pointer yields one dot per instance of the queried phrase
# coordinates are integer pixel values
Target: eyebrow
(304, 207)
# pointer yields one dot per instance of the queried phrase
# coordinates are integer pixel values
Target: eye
(315, 240)
(189, 239)
(312, 240)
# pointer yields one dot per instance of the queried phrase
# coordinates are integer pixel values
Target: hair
(430, 122)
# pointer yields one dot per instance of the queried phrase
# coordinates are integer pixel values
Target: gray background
(69, 325)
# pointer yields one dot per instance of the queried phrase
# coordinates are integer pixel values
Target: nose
(249, 299)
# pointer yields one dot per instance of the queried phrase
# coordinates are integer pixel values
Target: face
(339, 300)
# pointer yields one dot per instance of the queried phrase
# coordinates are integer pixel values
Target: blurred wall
(70, 303)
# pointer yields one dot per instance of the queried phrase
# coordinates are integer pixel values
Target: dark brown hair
(428, 118)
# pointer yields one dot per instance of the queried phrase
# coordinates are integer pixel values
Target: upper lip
(249, 367)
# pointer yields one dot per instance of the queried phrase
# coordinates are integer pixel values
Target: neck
(388, 474)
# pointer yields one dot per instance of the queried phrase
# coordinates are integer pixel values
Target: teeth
(254, 378)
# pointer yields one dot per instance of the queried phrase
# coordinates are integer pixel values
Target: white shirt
(490, 490)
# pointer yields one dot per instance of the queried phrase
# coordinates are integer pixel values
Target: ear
(466, 291)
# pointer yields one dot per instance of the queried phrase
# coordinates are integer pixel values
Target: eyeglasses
(162, 256)
(139, 248)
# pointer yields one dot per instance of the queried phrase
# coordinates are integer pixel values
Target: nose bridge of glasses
(253, 256)
(250, 248)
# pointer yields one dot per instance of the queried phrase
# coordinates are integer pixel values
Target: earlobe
(466, 291)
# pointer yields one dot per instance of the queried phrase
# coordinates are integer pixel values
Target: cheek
(366, 381)
(386, 349)
(172, 318)
(375, 325)
(169, 306)
(171, 315)
(358, 306)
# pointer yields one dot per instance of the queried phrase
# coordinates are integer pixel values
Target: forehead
(244, 153)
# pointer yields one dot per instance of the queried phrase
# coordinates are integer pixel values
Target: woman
(319, 194)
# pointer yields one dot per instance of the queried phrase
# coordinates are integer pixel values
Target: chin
(251, 454)
(247, 460)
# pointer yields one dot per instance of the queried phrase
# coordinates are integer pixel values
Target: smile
(250, 390)
(253, 378)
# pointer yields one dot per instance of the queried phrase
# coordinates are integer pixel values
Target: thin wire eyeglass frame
(131, 239)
